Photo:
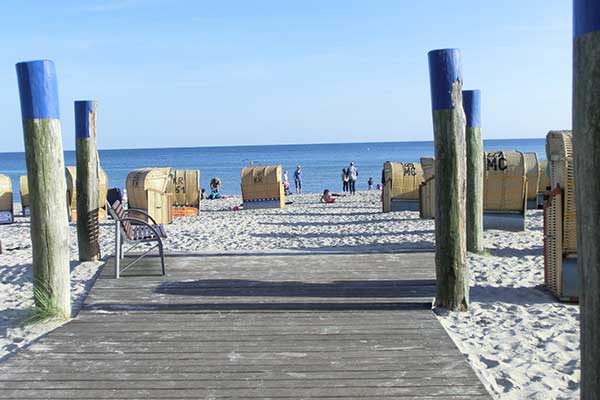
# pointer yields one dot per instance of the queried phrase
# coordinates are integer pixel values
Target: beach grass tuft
(45, 307)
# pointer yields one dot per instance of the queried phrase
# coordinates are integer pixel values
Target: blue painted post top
(83, 108)
(586, 17)
(472, 106)
(444, 70)
(38, 89)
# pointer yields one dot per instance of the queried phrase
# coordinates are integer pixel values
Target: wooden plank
(257, 392)
(288, 374)
(260, 363)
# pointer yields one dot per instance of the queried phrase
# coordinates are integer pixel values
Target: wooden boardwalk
(252, 326)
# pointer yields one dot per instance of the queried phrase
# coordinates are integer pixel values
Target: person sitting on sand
(215, 184)
(327, 197)
(215, 189)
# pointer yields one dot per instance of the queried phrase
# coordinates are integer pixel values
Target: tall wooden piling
(46, 177)
(450, 177)
(88, 202)
(472, 107)
(586, 147)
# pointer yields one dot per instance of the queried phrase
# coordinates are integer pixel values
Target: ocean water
(322, 164)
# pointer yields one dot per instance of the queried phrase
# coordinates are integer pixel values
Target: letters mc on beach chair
(135, 231)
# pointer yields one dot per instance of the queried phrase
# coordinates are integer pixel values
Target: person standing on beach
(298, 179)
(352, 176)
(344, 180)
(370, 183)
(286, 183)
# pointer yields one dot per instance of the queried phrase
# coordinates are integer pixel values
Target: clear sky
(200, 73)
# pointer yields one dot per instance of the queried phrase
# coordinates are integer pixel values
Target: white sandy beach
(518, 338)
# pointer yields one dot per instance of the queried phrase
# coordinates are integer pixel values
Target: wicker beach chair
(134, 232)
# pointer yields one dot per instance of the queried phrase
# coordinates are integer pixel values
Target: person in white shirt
(352, 176)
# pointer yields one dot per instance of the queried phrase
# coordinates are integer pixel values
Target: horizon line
(274, 145)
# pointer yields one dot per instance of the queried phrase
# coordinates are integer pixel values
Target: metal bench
(135, 231)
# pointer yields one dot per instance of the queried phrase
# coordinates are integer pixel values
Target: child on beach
(370, 183)
(345, 180)
(286, 183)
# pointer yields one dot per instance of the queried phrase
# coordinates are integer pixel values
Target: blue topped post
(586, 147)
(47, 186)
(472, 107)
(450, 183)
(88, 172)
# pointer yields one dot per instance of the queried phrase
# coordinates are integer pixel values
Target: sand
(521, 342)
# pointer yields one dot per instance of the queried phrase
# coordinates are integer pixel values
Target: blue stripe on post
(586, 17)
(444, 70)
(472, 106)
(83, 108)
(38, 90)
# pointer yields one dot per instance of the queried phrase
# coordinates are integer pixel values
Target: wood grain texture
(88, 197)
(49, 220)
(474, 203)
(586, 142)
(450, 217)
(323, 332)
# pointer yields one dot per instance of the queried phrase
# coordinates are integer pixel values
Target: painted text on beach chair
(185, 187)
(401, 186)
(134, 232)
(505, 191)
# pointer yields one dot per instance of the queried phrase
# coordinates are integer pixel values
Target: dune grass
(45, 307)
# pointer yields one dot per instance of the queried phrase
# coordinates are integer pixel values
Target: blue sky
(200, 73)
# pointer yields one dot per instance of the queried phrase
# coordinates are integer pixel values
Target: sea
(321, 164)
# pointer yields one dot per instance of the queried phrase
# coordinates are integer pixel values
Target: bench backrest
(118, 212)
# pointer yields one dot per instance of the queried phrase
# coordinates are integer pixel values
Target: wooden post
(88, 202)
(450, 179)
(472, 107)
(46, 177)
(586, 147)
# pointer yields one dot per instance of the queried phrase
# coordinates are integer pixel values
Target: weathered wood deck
(255, 326)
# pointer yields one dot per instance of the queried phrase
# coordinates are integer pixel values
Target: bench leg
(118, 249)
(162, 256)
